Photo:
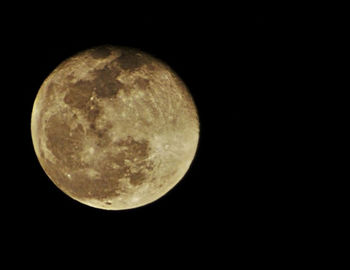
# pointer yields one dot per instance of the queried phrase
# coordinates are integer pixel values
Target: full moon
(114, 128)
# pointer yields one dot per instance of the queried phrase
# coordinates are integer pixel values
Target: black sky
(228, 58)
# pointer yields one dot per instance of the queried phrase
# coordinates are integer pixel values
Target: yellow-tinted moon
(114, 128)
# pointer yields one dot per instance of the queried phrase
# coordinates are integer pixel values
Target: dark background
(229, 58)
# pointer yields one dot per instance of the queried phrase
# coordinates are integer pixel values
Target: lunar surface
(114, 128)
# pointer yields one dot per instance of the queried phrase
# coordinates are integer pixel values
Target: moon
(114, 128)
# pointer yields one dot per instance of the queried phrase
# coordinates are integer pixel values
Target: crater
(106, 82)
(137, 178)
(100, 134)
(130, 60)
(100, 52)
(133, 159)
(93, 113)
(142, 83)
(50, 88)
(64, 142)
(116, 166)
(84, 186)
(78, 94)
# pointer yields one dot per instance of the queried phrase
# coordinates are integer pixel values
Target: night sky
(229, 59)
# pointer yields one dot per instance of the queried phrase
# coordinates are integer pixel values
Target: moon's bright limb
(114, 128)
